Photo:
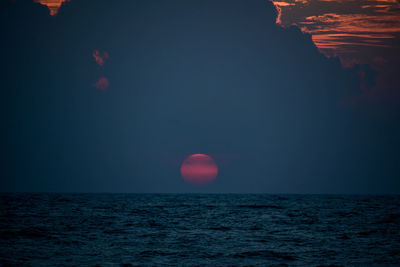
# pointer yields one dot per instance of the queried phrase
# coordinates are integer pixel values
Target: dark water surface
(153, 229)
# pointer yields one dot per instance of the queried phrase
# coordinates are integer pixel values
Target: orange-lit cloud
(358, 32)
(278, 6)
(344, 28)
(52, 5)
(102, 84)
(100, 57)
(352, 23)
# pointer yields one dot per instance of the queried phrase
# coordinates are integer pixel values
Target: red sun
(199, 169)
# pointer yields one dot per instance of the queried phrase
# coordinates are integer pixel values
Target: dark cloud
(212, 77)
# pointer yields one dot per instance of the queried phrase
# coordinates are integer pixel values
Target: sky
(112, 96)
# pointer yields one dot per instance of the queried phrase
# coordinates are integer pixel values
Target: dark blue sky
(213, 77)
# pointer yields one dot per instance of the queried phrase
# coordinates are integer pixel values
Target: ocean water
(169, 229)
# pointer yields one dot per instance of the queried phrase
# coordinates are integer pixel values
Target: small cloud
(100, 57)
(52, 5)
(102, 84)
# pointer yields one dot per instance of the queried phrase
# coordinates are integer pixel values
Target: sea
(199, 230)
